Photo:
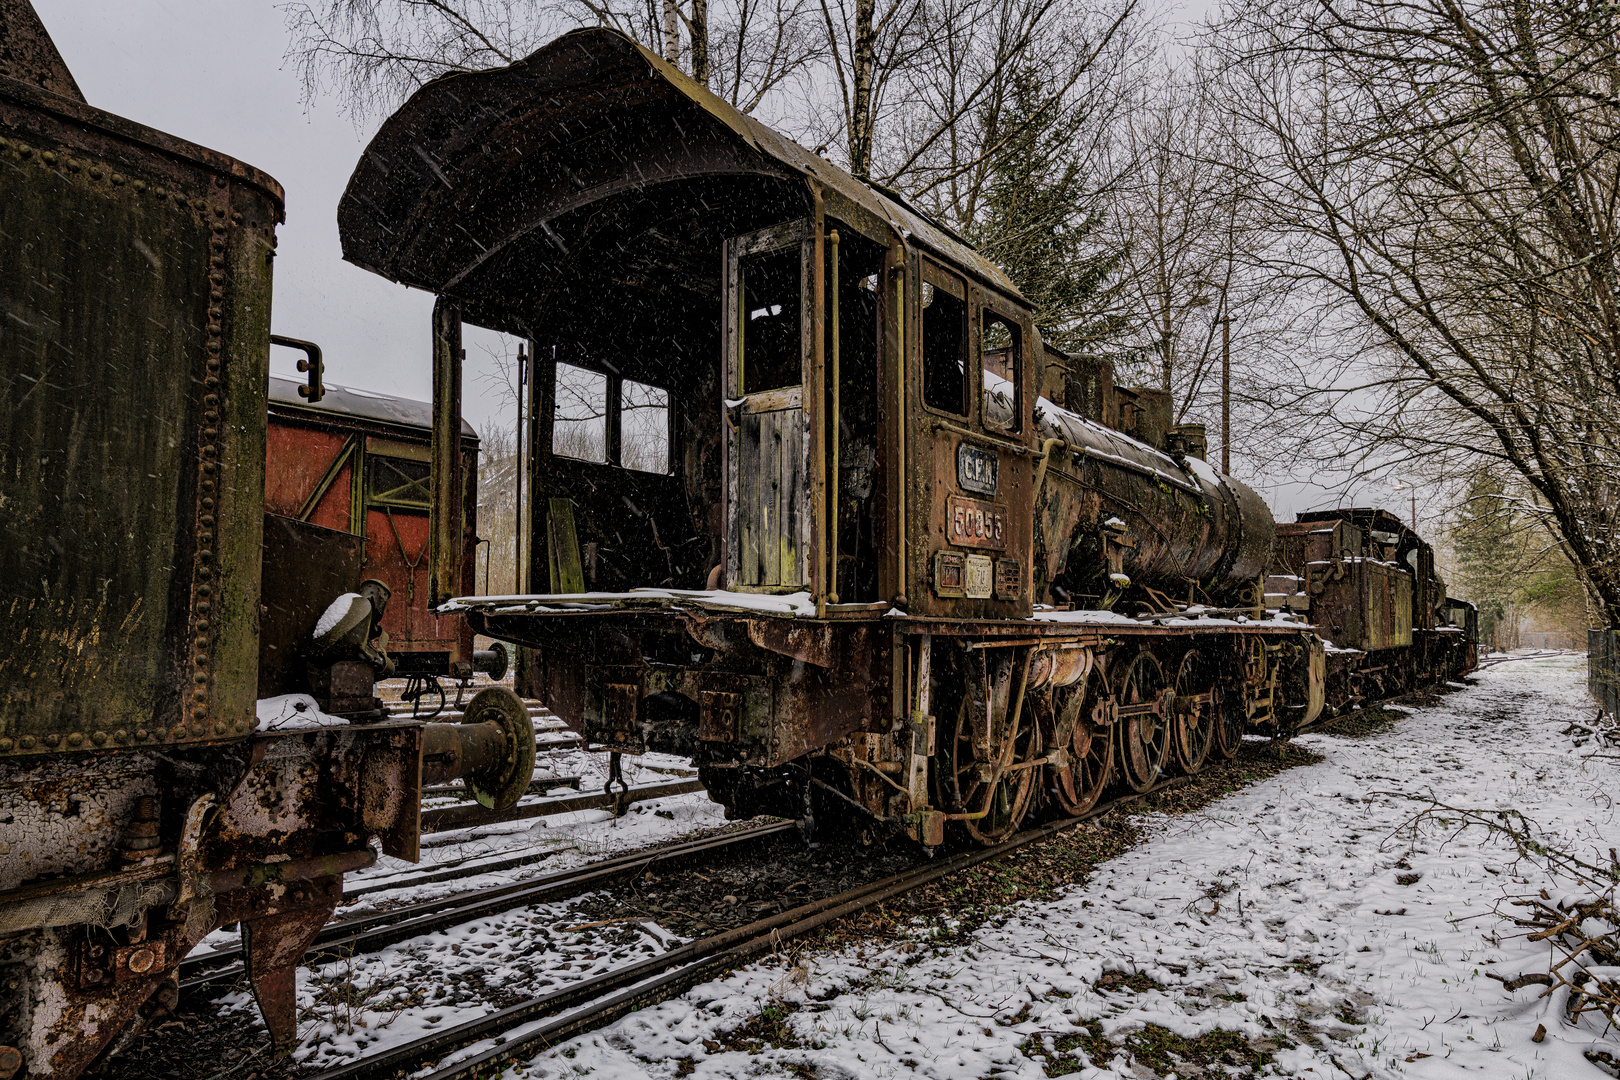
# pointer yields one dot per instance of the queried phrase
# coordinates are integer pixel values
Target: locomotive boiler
(813, 503)
(147, 796)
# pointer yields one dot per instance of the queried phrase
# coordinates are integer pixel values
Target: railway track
(471, 816)
(1539, 654)
(371, 933)
(529, 1026)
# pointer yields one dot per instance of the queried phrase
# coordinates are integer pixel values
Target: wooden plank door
(768, 342)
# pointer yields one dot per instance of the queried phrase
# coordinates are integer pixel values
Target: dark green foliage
(1038, 219)
(1509, 564)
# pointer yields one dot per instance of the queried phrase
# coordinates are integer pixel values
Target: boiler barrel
(1181, 520)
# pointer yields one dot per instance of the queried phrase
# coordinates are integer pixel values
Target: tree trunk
(700, 41)
(860, 118)
(672, 33)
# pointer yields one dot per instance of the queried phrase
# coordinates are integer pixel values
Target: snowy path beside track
(1298, 914)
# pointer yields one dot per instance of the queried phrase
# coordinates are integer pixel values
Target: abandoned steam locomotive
(854, 538)
(149, 601)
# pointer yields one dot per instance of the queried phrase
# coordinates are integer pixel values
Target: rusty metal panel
(306, 567)
(718, 720)
(619, 701)
(1009, 579)
(27, 53)
(132, 446)
(61, 819)
(612, 697)
(315, 791)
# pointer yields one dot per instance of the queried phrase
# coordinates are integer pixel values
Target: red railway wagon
(314, 457)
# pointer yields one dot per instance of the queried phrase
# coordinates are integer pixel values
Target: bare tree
(372, 54)
(1447, 175)
(495, 563)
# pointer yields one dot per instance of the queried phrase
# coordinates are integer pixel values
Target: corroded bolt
(141, 961)
(11, 1062)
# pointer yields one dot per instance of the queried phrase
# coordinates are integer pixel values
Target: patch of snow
(1302, 913)
(292, 711)
(334, 613)
(791, 604)
(1202, 469)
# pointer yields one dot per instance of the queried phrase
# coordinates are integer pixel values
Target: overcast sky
(211, 71)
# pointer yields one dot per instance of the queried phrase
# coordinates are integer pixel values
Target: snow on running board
(798, 603)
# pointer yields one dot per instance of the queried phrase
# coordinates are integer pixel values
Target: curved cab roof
(500, 187)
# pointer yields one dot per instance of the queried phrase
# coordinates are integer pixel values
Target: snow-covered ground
(565, 840)
(1303, 915)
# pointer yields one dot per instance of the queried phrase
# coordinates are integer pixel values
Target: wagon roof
(432, 202)
(361, 404)
(1365, 517)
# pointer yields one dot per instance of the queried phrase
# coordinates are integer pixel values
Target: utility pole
(1226, 386)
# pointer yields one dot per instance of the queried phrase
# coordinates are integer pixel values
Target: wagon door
(768, 341)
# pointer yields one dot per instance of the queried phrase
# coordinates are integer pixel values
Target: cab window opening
(579, 425)
(635, 436)
(944, 337)
(860, 267)
(1001, 357)
(771, 346)
(643, 427)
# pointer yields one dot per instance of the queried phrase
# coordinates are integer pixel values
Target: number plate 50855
(972, 523)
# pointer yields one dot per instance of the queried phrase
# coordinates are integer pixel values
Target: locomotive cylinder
(1156, 520)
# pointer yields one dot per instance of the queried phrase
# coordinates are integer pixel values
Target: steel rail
(468, 817)
(591, 1003)
(372, 933)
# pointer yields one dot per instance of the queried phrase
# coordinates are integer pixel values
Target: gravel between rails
(348, 937)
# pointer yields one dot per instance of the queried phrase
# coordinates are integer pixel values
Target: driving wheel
(985, 764)
(1069, 713)
(1142, 728)
(1194, 709)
